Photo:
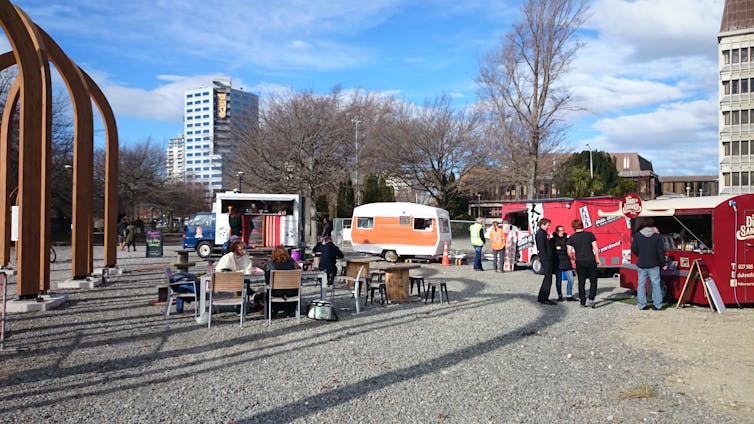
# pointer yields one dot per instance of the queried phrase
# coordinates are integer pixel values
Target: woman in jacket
(563, 268)
(281, 260)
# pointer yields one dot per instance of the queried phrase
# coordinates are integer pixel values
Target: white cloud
(679, 138)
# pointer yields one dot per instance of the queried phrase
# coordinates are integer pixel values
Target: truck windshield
(203, 220)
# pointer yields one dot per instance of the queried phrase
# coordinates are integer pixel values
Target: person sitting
(330, 255)
(235, 260)
(281, 260)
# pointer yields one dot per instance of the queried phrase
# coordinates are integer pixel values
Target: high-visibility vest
(476, 239)
(497, 239)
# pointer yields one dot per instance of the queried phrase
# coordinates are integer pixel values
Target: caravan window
(404, 220)
(365, 222)
(444, 225)
(422, 224)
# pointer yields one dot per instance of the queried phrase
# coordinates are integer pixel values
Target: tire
(663, 290)
(204, 249)
(391, 256)
(536, 265)
(53, 255)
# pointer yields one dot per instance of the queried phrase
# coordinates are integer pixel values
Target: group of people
(561, 254)
(126, 235)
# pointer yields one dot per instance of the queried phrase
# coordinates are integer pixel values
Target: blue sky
(646, 77)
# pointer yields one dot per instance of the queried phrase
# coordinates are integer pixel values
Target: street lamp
(239, 174)
(357, 193)
(478, 205)
(591, 168)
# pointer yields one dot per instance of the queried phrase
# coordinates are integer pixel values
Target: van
(400, 229)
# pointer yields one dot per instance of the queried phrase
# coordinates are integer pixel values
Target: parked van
(267, 220)
(400, 229)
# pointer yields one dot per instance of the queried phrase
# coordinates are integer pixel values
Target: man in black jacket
(327, 261)
(647, 246)
(547, 259)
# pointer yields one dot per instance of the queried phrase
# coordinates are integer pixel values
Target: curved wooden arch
(32, 49)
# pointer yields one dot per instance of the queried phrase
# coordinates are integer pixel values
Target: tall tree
(431, 145)
(521, 82)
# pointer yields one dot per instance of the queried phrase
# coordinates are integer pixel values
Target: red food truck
(719, 230)
(612, 232)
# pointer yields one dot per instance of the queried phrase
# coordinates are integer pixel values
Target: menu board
(154, 244)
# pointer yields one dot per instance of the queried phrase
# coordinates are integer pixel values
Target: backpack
(321, 310)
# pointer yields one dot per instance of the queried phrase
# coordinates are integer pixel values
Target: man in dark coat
(330, 253)
(647, 246)
(547, 259)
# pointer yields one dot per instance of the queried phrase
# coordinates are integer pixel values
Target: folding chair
(181, 286)
(284, 280)
(228, 284)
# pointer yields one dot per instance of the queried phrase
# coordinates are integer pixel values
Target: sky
(645, 80)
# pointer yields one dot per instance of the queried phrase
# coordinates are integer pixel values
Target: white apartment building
(175, 159)
(210, 116)
(736, 65)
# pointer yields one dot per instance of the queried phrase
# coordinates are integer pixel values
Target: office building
(175, 159)
(736, 46)
(212, 115)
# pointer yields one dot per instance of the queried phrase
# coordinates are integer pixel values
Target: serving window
(684, 232)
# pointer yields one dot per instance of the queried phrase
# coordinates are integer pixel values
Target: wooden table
(353, 265)
(397, 281)
(183, 263)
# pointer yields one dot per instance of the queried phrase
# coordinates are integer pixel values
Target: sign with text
(631, 205)
(154, 244)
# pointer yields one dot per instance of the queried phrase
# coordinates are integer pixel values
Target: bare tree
(521, 82)
(434, 148)
(140, 181)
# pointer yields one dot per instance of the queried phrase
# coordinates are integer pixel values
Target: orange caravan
(400, 229)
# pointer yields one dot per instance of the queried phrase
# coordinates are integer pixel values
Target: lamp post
(478, 205)
(239, 174)
(357, 191)
(591, 169)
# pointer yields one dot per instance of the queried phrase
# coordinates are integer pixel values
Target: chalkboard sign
(154, 244)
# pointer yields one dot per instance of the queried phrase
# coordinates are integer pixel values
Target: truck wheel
(391, 256)
(663, 290)
(536, 265)
(204, 249)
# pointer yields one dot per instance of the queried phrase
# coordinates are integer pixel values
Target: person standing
(326, 227)
(330, 253)
(563, 268)
(547, 259)
(497, 243)
(130, 237)
(582, 247)
(650, 252)
(476, 234)
(122, 233)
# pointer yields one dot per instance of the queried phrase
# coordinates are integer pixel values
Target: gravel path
(493, 355)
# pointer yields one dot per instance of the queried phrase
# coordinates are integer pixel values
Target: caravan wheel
(391, 256)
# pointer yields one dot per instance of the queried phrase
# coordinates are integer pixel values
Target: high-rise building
(210, 119)
(736, 65)
(175, 159)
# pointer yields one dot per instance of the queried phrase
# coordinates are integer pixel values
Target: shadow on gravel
(59, 383)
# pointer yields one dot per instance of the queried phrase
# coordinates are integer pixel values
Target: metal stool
(433, 285)
(377, 275)
(419, 281)
(380, 286)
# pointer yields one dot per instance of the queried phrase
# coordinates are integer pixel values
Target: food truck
(267, 220)
(719, 230)
(400, 229)
(612, 232)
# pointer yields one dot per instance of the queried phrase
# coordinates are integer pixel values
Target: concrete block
(85, 283)
(48, 302)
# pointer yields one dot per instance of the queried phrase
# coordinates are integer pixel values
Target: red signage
(631, 205)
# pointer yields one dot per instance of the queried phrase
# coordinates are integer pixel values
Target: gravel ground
(493, 355)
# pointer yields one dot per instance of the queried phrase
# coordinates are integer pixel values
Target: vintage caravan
(400, 229)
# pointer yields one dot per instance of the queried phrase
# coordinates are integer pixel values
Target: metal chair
(284, 280)
(229, 284)
(441, 286)
(356, 290)
(180, 286)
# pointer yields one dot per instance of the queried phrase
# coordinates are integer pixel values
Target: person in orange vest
(497, 243)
